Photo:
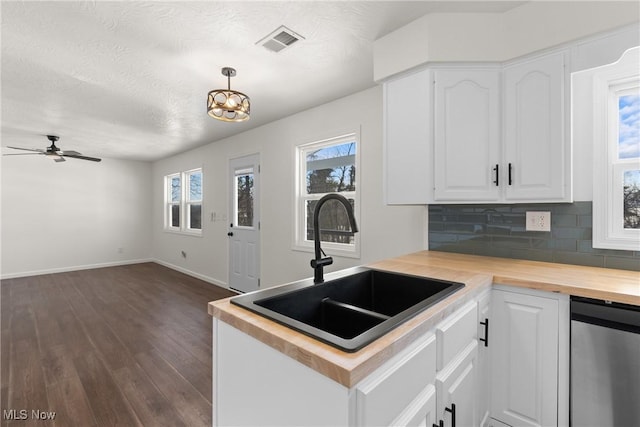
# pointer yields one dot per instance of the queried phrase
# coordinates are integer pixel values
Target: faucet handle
(321, 262)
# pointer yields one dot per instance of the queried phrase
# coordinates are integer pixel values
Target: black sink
(352, 307)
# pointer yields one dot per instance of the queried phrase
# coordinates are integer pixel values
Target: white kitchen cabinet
(537, 152)
(457, 387)
(495, 133)
(254, 384)
(484, 349)
(527, 362)
(407, 121)
(390, 391)
(503, 141)
(467, 134)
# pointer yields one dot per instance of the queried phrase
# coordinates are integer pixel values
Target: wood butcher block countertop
(477, 272)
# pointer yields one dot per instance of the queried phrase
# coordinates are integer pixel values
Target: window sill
(330, 251)
(183, 233)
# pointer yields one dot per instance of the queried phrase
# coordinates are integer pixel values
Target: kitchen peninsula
(267, 373)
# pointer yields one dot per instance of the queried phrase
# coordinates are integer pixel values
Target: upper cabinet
(537, 155)
(407, 126)
(486, 134)
(466, 134)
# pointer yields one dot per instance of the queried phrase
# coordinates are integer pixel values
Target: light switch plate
(538, 221)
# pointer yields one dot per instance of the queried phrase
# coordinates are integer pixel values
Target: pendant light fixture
(226, 104)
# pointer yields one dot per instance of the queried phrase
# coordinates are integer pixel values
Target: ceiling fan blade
(79, 156)
(20, 154)
(54, 152)
(36, 150)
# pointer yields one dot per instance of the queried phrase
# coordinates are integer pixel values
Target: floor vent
(280, 39)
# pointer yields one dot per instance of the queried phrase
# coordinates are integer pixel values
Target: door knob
(230, 233)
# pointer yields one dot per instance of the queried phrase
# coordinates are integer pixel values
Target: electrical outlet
(538, 221)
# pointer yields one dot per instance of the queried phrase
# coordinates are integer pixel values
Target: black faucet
(318, 263)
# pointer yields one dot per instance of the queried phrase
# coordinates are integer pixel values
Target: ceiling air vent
(280, 39)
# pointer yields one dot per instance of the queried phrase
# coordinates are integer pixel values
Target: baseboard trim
(208, 279)
(74, 268)
(212, 280)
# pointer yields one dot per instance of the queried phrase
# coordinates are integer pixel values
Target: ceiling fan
(54, 152)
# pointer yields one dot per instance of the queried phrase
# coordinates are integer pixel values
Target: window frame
(169, 203)
(185, 203)
(610, 83)
(301, 198)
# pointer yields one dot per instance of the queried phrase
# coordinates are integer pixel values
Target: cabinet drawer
(455, 333)
(386, 393)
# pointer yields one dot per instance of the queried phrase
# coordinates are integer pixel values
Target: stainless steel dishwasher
(605, 364)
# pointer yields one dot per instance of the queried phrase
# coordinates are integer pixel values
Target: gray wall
(499, 230)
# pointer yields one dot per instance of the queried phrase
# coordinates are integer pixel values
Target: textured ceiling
(129, 79)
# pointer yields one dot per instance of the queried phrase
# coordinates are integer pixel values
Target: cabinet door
(537, 149)
(408, 174)
(524, 359)
(484, 346)
(457, 385)
(467, 134)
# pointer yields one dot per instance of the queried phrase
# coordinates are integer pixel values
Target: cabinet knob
(230, 233)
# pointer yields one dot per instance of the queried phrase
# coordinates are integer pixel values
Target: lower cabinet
(507, 351)
(401, 391)
(529, 359)
(433, 383)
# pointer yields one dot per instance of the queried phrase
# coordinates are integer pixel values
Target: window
(628, 154)
(616, 203)
(183, 211)
(323, 167)
(244, 189)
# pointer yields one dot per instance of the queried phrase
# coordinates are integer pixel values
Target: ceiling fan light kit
(226, 104)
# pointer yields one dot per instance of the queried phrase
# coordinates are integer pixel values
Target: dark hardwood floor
(117, 346)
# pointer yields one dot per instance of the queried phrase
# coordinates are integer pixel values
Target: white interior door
(244, 227)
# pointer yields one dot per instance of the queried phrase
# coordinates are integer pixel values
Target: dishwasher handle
(624, 317)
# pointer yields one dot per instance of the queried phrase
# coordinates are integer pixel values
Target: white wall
(73, 215)
(385, 231)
